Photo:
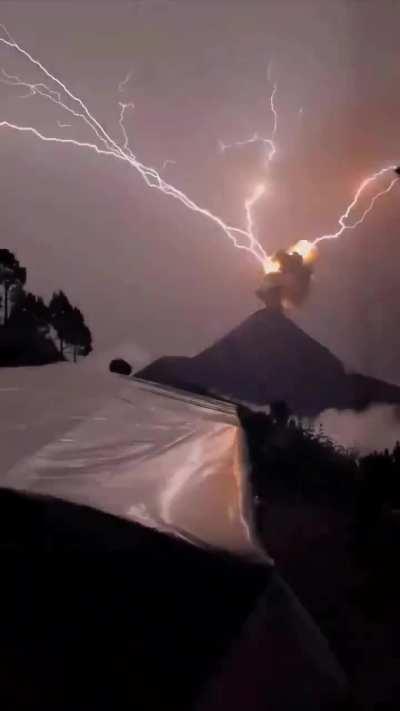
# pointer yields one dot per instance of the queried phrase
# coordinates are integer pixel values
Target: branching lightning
(342, 222)
(269, 143)
(57, 92)
(307, 249)
(275, 115)
(123, 109)
(166, 163)
(122, 84)
(268, 263)
(255, 138)
(240, 237)
(249, 205)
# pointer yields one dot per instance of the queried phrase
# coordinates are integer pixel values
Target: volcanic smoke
(288, 276)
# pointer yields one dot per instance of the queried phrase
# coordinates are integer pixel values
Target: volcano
(269, 358)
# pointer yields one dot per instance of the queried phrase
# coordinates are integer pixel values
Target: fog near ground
(376, 428)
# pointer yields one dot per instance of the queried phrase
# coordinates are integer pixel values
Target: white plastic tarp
(140, 451)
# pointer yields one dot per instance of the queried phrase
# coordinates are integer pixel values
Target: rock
(120, 366)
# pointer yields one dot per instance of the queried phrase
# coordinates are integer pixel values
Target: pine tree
(31, 313)
(78, 335)
(32, 322)
(70, 326)
(12, 276)
(60, 311)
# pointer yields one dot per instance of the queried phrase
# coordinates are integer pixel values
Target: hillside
(267, 358)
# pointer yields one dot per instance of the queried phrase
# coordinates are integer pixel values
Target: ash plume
(289, 284)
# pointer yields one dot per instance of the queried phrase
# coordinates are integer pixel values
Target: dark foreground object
(99, 614)
(120, 366)
(19, 347)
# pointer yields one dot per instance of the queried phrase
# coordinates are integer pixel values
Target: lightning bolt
(342, 222)
(269, 143)
(122, 84)
(255, 138)
(167, 163)
(307, 249)
(274, 114)
(240, 237)
(259, 191)
(123, 109)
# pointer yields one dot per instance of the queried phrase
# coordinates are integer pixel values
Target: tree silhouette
(70, 326)
(29, 327)
(31, 313)
(12, 275)
(60, 311)
(78, 334)
(290, 458)
(280, 412)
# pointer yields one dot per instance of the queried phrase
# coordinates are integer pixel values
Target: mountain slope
(266, 358)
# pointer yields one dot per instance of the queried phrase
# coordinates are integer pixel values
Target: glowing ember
(271, 266)
(306, 249)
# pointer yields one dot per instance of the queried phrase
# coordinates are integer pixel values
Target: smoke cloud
(290, 285)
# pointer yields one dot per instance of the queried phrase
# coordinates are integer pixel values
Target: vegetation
(70, 326)
(31, 331)
(290, 457)
(12, 277)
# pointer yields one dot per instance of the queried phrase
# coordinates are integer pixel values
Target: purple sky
(144, 269)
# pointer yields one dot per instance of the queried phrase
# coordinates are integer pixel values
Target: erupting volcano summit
(268, 358)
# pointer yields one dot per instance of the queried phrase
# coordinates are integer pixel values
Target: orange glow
(271, 266)
(306, 249)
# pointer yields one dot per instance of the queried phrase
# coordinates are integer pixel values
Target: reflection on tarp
(150, 454)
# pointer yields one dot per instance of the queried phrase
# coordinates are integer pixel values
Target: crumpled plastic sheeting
(142, 452)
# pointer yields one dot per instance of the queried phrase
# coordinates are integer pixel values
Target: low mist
(376, 428)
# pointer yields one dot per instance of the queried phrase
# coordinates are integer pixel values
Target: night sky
(146, 271)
